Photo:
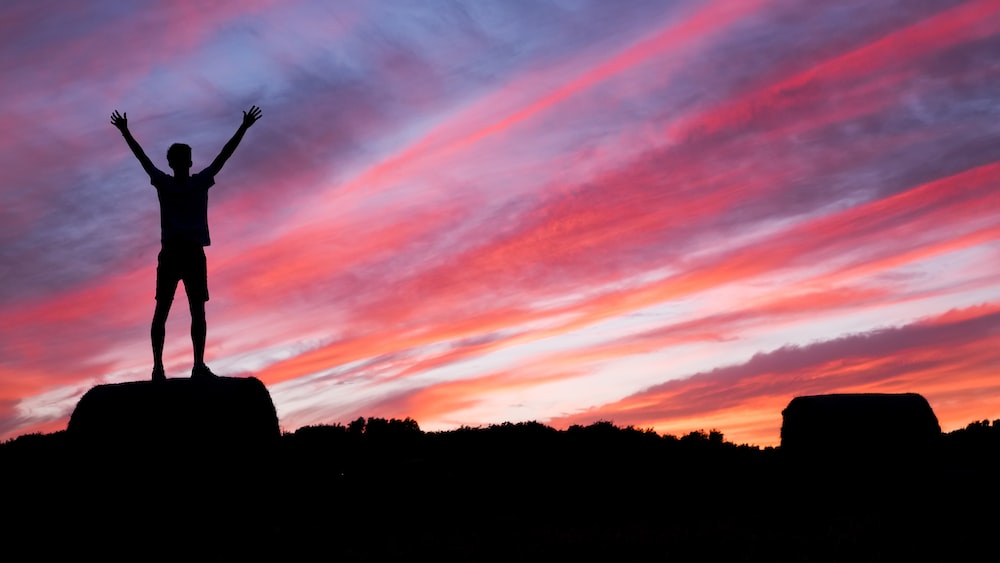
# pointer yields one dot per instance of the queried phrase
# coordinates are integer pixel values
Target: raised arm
(249, 118)
(120, 121)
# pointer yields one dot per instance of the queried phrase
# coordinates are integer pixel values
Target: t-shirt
(183, 207)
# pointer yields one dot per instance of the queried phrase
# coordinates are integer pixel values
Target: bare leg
(198, 330)
(158, 331)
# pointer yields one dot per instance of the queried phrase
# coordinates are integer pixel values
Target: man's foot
(158, 374)
(201, 371)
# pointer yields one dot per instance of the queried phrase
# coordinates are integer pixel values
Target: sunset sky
(670, 214)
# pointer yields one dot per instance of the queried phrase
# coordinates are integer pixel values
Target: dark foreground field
(381, 490)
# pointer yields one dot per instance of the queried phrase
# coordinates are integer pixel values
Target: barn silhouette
(852, 426)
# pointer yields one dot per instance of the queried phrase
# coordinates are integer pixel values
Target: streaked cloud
(677, 215)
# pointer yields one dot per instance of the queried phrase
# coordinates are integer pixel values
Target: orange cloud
(945, 362)
(446, 400)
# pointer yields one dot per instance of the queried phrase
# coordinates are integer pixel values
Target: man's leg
(157, 334)
(199, 328)
(196, 286)
(166, 285)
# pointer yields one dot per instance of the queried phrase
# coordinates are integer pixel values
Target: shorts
(183, 262)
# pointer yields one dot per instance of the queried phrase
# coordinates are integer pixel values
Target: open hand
(119, 120)
(251, 117)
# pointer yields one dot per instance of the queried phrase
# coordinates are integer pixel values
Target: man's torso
(183, 207)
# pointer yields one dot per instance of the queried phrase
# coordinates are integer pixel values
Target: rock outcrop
(146, 457)
(176, 416)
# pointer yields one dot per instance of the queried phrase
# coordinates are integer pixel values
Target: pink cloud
(884, 57)
(409, 212)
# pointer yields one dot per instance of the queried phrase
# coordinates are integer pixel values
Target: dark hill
(383, 490)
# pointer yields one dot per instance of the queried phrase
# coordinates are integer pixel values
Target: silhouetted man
(183, 236)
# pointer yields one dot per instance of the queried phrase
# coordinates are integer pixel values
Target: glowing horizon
(670, 215)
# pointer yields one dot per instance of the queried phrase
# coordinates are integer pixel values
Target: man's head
(179, 157)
